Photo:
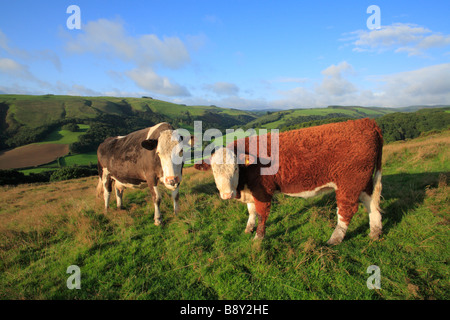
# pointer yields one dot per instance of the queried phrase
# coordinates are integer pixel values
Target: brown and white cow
(139, 158)
(341, 157)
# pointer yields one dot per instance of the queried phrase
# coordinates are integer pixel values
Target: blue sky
(239, 54)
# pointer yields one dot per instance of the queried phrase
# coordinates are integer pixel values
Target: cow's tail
(99, 188)
(100, 182)
(377, 186)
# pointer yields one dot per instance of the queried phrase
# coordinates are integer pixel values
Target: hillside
(203, 252)
(286, 118)
(25, 118)
(297, 118)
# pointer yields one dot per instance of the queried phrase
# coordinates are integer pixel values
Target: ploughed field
(32, 155)
(203, 252)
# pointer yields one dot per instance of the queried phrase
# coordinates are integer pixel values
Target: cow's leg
(119, 194)
(251, 218)
(263, 210)
(107, 187)
(157, 201)
(347, 207)
(175, 197)
(370, 197)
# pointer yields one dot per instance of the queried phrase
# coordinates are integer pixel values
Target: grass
(34, 110)
(65, 136)
(203, 252)
(349, 111)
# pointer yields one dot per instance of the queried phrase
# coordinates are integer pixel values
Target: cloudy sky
(239, 54)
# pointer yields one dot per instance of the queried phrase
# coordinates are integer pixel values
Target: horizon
(252, 55)
(250, 109)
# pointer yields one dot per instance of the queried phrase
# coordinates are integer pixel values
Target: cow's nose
(227, 195)
(173, 180)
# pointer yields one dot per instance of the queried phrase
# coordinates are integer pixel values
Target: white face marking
(312, 193)
(226, 172)
(170, 152)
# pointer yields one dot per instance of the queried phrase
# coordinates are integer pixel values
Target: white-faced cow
(139, 158)
(341, 157)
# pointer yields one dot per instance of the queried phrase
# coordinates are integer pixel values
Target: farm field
(32, 155)
(203, 252)
(55, 145)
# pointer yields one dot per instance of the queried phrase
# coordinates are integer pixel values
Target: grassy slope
(203, 253)
(37, 110)
(349, 111)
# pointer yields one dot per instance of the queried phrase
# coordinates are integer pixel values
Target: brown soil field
(32, 155)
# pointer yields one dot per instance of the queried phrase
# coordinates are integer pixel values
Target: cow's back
(312, 157)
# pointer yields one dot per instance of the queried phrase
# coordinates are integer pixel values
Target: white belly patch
(121, 185)
(326, 188)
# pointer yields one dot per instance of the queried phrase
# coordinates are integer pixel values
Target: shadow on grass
(206, 188)
(405, 191)
(402, 192)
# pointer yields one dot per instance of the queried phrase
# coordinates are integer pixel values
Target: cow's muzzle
(227, 195)
(172, 181)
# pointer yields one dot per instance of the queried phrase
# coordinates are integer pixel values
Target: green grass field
(34, 111)
(356, 112)
(65, 136)
(203, 252)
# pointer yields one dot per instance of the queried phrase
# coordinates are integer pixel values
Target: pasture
(203, 252)
(43, 155)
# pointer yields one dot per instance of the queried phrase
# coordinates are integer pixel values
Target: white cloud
(11, 67)
(334, 83)
(29, 56)
(429, 85)
(398, 37)
(15, 70)
(109, 38)
(223, 88)
(149, 80)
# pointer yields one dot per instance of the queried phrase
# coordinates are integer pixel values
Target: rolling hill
(36, 114)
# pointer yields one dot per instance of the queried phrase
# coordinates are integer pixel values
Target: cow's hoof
(248, 230)
(157, 222)
(258, 238)
(375, 235)
(334, 241)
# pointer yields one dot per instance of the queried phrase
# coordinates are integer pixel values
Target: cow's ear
(202, 166)
(191, 141)
(247, 159)
(149, 144)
